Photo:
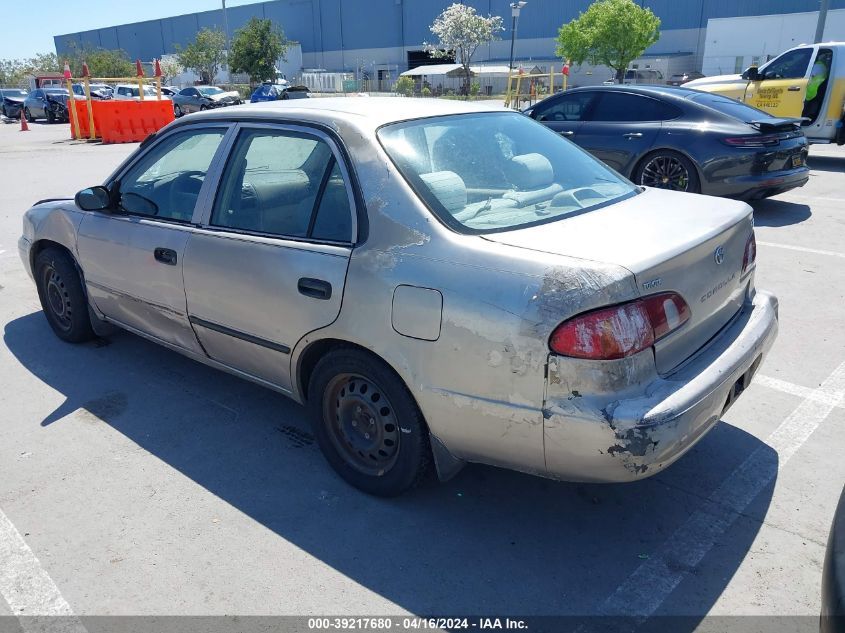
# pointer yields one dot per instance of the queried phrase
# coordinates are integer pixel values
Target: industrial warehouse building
(383, 38)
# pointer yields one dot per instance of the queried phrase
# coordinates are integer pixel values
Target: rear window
(489, 172)
(730, 107)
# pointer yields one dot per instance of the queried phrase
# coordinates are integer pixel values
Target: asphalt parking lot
(134, 481)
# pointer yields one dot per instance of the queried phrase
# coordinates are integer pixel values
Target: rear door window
(627, 107)
(286, 184)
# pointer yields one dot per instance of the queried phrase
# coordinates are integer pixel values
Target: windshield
(13, 93)
(211, 90)
(730, 107)
(487, 172)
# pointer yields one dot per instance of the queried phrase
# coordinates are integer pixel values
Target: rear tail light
(750, 255)
(620, 331)
(757, 140)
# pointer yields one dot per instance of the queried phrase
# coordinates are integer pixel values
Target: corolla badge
(719, 254)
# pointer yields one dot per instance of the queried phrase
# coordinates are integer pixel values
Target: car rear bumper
(754, 186)
(591, 437)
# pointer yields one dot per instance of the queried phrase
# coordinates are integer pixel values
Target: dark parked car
(196, 98)
(47, 103)
(833, 576)
(12, 102)
(98, 91)
(274, 92)
(681, 139)
(681, 78)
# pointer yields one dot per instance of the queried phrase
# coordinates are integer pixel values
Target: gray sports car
(440, 283)
(682, 139)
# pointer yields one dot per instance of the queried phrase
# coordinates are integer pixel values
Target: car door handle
(165, 256)
(633, 135)
(794, 88)
(314, 288)
(566, 133)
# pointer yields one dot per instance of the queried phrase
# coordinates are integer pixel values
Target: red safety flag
(67, 74)
(85, 71)
(157, 69)
(138, 69)
(566, 70)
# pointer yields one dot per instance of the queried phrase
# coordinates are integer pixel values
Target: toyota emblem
(719, 255)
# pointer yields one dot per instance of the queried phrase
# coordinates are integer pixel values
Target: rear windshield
(730, 107)
(488, 172)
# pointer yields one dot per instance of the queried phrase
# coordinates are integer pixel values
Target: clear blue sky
(28, 27)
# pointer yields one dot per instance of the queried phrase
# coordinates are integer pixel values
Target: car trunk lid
(669, 241)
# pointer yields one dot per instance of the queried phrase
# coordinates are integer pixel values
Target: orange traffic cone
(24, 126)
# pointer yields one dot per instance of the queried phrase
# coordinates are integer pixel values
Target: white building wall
(733, 44)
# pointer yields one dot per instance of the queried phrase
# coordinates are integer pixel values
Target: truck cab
(806, 82)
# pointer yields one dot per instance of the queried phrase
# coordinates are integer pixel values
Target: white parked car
(127, 92)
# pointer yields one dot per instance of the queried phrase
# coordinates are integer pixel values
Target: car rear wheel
(177, 110)
(203, 107)
(668, 170)
(367, 423)
(62, 297)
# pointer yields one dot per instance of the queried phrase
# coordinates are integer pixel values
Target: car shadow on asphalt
(490, 541)
(827, 163)
(771, 212)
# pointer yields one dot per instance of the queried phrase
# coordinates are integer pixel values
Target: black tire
(62, 297)
(203, 107)
(51, 118)
(666, 169)
(349, 388)
(28, 115)
(177, 110)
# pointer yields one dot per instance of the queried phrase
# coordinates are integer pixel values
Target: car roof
(368, 111)
(653, 90)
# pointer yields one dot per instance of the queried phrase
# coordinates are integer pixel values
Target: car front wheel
(668, 170)
(62, 297)
(28, 114)
(367, 423)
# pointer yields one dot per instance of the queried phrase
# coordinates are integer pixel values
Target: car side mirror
(751, 74)
(93, 199)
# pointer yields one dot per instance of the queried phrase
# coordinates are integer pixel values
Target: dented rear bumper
(620, 421)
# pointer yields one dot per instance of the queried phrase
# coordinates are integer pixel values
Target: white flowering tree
(460, 30)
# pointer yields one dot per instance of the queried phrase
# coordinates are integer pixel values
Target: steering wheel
(184, 191)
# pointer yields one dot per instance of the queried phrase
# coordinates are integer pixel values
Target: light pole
(516, 7)
(226, 35)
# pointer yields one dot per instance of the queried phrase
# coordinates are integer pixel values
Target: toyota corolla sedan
(439, 284)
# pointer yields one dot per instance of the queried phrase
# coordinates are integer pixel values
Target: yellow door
(783, 84)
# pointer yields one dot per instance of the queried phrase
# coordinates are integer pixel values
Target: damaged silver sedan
(438, 283)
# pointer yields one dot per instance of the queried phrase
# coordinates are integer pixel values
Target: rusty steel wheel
(367, 423)
(362, 423)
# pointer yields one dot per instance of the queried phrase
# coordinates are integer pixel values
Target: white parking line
(642, 593)
(802, 249)
(27, 588)
(797, 390)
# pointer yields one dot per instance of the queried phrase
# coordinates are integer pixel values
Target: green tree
(460, 31)
(205, 55)
(404, 86)
(255, 49)
(609, 32)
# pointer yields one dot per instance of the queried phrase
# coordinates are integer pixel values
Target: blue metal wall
(331, 25)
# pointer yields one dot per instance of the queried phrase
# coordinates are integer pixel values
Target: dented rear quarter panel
(481, 384)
